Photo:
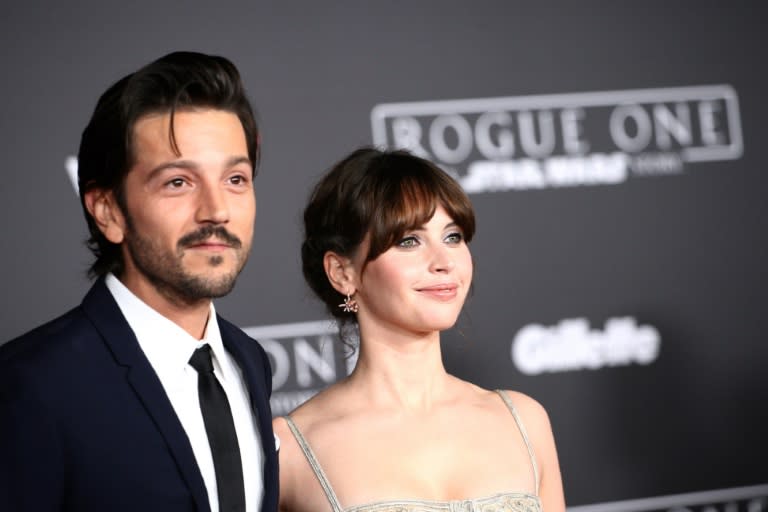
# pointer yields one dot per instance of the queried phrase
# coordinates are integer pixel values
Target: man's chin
(221, 290)
(207, 285)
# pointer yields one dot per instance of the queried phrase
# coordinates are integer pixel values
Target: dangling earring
(350, 305)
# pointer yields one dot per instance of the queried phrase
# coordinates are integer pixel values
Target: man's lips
(211, 245)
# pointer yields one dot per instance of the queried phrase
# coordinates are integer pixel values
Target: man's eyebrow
(237, 160)
(193, 166)
(176, 164)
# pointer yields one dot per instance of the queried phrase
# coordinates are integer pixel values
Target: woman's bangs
(408, 206)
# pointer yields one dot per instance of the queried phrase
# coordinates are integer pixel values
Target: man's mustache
(206, 232)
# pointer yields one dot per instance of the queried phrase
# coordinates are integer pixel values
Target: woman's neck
(405, 373)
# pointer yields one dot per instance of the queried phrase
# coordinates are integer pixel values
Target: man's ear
(340, 272)
(103, 207)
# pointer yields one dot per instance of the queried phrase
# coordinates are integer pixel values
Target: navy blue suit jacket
(85, 424)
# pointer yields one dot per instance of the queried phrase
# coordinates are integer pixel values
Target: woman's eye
(454, 238)
(409, 241)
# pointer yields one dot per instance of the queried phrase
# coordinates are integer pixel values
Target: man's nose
(213, 206)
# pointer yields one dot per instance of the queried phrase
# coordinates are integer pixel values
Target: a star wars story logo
(565, 140)
(306, 357)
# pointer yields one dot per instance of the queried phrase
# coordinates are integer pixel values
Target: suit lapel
(104, 313)
(257, 381)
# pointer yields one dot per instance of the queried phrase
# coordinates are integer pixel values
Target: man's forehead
(159, 130)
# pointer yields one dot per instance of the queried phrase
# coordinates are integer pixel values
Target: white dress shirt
(168, 348)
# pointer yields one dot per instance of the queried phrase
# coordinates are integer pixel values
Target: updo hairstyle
(383, 194)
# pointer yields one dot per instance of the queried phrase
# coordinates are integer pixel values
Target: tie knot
(201, 360)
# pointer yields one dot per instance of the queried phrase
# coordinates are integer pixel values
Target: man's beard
(166, 271)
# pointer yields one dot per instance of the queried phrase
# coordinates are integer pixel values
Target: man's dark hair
(176, 82)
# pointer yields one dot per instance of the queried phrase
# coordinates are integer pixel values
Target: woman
(386, 250)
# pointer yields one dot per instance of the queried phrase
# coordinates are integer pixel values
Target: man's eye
(240, 180)
(176, 183)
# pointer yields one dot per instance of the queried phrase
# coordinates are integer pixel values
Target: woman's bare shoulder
(307, 418)
(537, 424)
(321, 408)
(528, 408)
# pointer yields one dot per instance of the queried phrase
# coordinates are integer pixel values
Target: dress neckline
(416, 504)
(449, 505)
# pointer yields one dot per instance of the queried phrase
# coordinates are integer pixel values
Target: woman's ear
(103, 207)
(340, 272)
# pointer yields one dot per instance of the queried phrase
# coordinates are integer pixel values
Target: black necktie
(221, 433)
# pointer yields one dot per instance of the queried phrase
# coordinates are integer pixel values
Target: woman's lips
(441, 291)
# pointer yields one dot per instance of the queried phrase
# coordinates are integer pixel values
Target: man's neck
(192, 316)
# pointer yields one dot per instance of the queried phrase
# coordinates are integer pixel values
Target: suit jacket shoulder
(44, 338)
(77, 395)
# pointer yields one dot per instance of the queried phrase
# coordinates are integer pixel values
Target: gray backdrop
(614, 153)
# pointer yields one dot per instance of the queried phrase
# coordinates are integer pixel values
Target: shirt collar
(167, 346)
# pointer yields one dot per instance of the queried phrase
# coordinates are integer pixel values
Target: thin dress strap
(520, 426)
(319, 473)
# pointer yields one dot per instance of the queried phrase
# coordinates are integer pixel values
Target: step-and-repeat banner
(613, 151)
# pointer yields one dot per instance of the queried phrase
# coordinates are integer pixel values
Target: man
(113, 406)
